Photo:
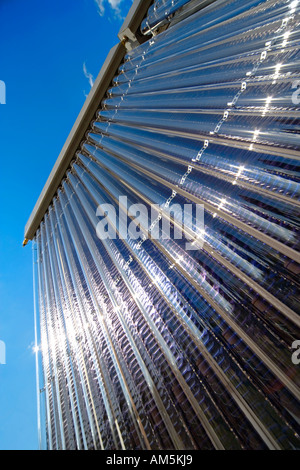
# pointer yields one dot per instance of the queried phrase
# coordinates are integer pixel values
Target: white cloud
(88, 75)
(100, 4)
(114, 4)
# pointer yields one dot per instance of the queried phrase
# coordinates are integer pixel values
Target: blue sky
(49, 54)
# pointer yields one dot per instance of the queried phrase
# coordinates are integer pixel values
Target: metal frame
(128, 32)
